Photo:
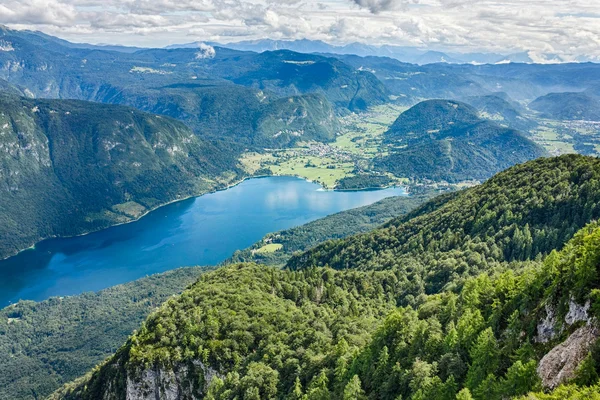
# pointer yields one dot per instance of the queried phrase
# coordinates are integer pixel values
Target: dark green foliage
(237, 114)
(568, 106)
(499, 108)
(447, 140)
(364, 181)
(43, 345)
(429, 116)
(261, 327)
(587, 372)
(65, 165)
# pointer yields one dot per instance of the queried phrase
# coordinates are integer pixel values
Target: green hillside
(494, 330)
(568, 106)
(69, 167)
(45, 344)
(238, 115)
(430, 117)
(519, 214)
(447, 140)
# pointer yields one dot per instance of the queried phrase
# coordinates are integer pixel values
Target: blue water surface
(201, 231)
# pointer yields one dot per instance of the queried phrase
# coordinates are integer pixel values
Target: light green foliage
(353, 390)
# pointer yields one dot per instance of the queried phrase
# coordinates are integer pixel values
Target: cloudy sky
(565, 27)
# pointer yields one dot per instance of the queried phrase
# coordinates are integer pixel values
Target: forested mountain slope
(525, 211)
(447, 140)
(45, 344)
(33, 335)
(69, 167)
(235, 114)
(501, 109)
(252, 332)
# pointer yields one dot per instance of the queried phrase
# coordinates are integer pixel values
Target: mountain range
(413, 55)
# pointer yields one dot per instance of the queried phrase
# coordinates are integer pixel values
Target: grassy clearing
(269, 248)
(130, 208)
(326, 171)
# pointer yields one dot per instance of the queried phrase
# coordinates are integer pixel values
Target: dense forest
(480, 309)
(45, 344)
(520, 214)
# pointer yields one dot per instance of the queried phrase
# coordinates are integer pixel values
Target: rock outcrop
(186, 381)
(560, 363)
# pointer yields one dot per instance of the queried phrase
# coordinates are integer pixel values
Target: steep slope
(252, 332)
(447, 140)
(240, 115)
(568, 106)
(45, 344)
(496, 338)
(68, 167)
(292, 73)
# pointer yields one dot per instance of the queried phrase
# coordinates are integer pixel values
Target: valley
(212, 222)
(359, 141)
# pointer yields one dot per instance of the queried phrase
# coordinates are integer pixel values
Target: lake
(200, 231)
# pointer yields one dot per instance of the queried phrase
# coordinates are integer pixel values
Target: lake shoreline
(201, 231)
(226, 187)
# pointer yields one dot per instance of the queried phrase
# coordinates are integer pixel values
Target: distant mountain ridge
(413, 55)
(568, 106)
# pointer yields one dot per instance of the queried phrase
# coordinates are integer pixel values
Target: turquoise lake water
(201, 231)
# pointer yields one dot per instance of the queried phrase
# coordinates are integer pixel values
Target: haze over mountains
(413, 55)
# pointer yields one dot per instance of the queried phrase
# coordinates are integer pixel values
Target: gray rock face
(545, 329)
(577, 312)
(167, 384)
(560, 363)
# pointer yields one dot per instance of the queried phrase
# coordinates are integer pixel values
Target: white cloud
(205, 51)
(568, 28)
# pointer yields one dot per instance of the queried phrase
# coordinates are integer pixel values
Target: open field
(269, 248)
(562, 137)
